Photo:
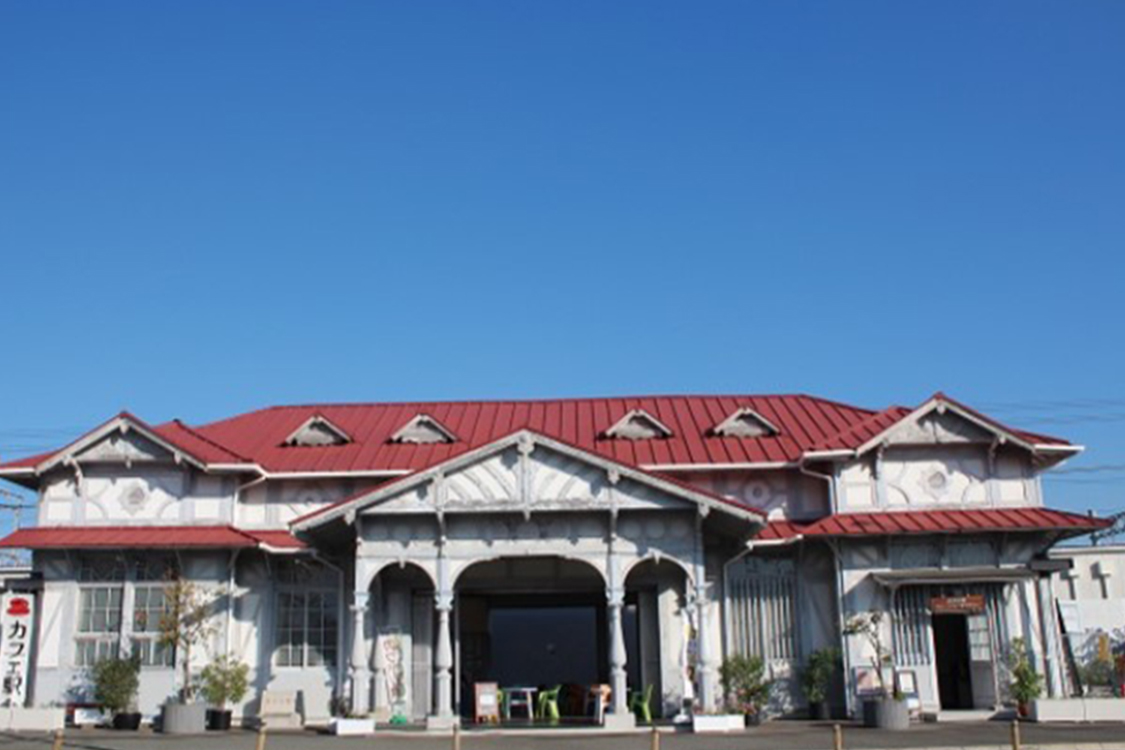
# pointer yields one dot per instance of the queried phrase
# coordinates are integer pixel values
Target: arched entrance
(531, 622)
(402, 610)
(656, 626)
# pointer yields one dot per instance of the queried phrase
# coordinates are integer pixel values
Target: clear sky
(207, 207)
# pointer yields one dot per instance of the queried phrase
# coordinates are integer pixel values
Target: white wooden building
(396, 554)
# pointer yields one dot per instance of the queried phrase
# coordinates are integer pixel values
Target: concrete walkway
(774, 736)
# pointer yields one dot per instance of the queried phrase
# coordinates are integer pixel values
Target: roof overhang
(347, 509)
(894, 579)
(941, 404)
(123, 423)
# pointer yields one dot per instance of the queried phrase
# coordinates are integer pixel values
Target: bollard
(654, 743)
(1016, 745)
(456, 737)
(261, 738)
(58, 740)
(837, 737)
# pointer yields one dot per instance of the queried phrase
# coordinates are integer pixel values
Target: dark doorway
(951, 645)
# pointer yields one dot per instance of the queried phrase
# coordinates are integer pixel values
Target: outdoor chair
(549, 704)
(640, 704)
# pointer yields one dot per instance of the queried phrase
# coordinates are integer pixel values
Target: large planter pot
(705, 724)
(886, 713)
(820, 711)
(353, 727)
(183, 718)
(218, 721)
(131, 721)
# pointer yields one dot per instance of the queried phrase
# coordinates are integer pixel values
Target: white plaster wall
(275, 503)
(142, 495)
(782, 493)
(937, 476)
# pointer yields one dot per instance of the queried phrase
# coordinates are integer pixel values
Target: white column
(360, 675)
(708, 664)
(442, 716)
(621, 717)
(1052, 654)
(443, 663)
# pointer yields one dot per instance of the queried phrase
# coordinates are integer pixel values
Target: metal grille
(763, 616)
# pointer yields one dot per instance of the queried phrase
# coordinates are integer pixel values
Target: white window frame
(304, 643)
(109, 636)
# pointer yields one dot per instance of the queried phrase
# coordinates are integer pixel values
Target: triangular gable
(527, 440)
(423, 429)
(745, 423)
(95, 441)
(929, 424)
(638, 424)
(317, 431)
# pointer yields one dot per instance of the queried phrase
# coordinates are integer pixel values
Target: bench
(279, 710)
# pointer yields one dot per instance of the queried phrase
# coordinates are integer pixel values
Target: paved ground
(775, 736)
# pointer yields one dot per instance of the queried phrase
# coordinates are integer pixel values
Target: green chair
(640, 703)
(549, 704)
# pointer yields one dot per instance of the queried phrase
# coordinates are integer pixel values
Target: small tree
(744, 682)
(225, 680)
(869, 627)
(818, 673)
(116, 682)
(1027, 684)
(185, 622)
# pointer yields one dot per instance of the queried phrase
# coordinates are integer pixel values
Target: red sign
(19, 607)
(970, 604)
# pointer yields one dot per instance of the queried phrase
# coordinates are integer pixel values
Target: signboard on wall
(970, 604)
(17, 621)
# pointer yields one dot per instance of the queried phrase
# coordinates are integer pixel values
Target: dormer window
(423, 429)
(317, 431)
(745, 423)
(638, 425)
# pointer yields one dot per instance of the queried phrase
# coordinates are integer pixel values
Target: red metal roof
(802, 420)
(805, 423)
(934, 522)
(90, 537)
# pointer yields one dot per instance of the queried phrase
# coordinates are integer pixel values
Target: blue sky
(206, 207)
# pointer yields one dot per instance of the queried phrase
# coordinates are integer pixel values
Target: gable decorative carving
(423, 429)
(124, 447)
(638, 425)
(316, 432)
(745, 423)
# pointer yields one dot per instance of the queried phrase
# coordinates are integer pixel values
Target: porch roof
(96, 537)
(935, 522)
(976, 574)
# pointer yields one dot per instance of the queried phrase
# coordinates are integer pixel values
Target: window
(102, 616)
(763, 603)
(99, 624)
(306, 628)
(148, 608)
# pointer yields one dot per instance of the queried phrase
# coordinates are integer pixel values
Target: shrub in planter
(888, 709)
(224, 680)
(116, 682)
(1026, 684)
(821, 666)
(745, 686)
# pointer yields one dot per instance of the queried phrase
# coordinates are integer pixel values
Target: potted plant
(1026, 684)
(184, 623)
(345, 723)
(116, 682)
(223, 681)
(821, 666)
(887, 709)
(745, 686)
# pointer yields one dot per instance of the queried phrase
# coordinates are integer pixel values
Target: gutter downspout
(849, 701)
